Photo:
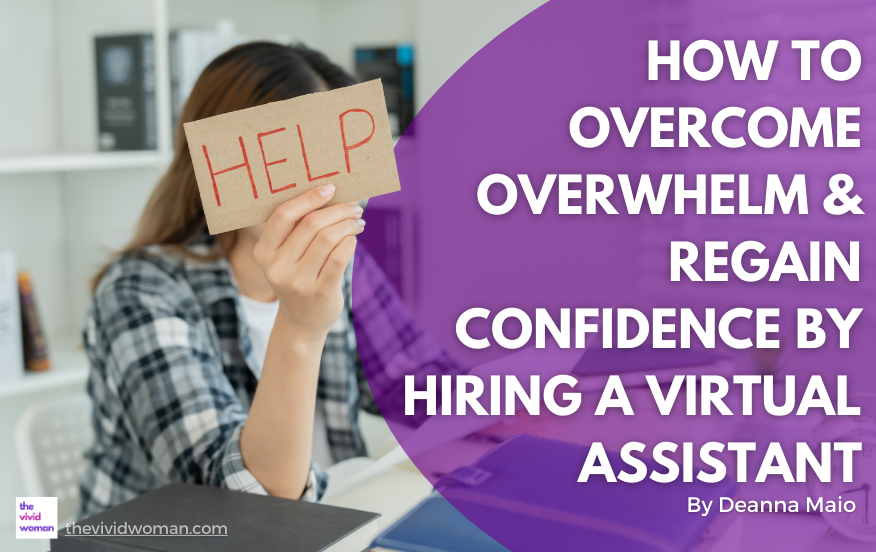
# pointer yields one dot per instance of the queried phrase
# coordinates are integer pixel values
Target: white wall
(449, 32)
(100, 210)
(295, 20)
(27, 84)
(445, 33)
(347, 24)
(32, 224)
(31, 212)
(335, 27)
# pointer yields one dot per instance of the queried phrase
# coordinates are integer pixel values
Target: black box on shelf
(126, 92)
(394, 66)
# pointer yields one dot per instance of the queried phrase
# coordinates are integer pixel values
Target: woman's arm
(303, 252)
(158, 382)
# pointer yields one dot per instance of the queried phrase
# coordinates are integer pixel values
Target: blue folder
(435, 525)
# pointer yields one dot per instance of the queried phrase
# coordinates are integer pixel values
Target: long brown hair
(245, 76)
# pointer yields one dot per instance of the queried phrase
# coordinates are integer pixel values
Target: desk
(399, 489)
(391, 494)
(801, 533)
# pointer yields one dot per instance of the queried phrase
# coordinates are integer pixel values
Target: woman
(231, 361)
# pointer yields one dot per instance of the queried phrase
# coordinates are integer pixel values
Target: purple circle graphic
(562, 250)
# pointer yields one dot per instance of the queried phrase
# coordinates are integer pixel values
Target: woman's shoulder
(160, 272)
(146, 269)
(171, 275)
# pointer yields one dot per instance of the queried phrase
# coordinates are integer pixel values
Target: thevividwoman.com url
(141, 530)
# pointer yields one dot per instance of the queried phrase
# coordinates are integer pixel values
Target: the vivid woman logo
(36, 517)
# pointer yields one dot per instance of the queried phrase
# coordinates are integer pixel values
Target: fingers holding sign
(286, 216)
(304, 251)
(316, 226)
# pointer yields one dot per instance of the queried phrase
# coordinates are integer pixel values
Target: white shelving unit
(71, 162)
(69, 368)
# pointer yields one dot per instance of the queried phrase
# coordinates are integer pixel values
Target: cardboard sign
(250, 161)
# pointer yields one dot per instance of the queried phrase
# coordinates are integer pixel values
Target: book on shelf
(11, 354)
(191, 50)
(36, 354)
(126, 92)
(237, 521)
(394, 66)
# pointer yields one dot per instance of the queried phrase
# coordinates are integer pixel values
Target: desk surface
(792, 532)
(400, 488)
(391, 494)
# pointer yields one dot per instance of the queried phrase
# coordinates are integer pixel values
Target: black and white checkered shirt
(173, 374)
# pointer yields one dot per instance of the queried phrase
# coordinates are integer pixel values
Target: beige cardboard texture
(249, 161)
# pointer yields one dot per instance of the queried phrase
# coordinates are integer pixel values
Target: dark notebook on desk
(526, 490)
(253, 522)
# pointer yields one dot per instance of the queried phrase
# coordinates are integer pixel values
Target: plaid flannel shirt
(173, 374)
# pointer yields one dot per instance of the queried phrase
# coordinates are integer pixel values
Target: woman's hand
(304, 252)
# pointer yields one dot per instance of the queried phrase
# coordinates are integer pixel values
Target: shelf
(67, 162)
(69, 367)
(83, 162)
